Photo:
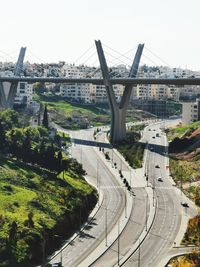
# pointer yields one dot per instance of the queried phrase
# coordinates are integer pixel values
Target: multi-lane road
(139, 244)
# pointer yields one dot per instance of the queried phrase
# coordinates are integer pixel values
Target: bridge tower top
(19, 64)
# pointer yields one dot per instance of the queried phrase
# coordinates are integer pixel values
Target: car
(185, 204)
(160, 179)
(153, 136)
(154, 129)
(149, 129)
(57, 264)
(157, 135)
(157, 166)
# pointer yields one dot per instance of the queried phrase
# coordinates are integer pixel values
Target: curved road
(113, 199)
(161, 236)
(169, 212)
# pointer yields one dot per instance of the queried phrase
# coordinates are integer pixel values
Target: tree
(45, 121)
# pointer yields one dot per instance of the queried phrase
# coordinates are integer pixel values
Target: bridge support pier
(118, 111)
(9, 101)
(3, 101)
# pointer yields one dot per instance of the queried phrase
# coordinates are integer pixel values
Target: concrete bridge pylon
(118, 111)
(7, 100)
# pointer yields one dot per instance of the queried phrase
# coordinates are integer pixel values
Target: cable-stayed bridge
(118, 110)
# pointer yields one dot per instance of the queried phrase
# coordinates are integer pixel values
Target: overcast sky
(54, 30)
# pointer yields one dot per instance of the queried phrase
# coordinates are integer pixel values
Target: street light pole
(118, 244)
(99, 181)
(139, 254)
(81, 157)
(146, 209)
(97, 171)
(112, 156)
(106, 227)
(125, 202)
(61, 256)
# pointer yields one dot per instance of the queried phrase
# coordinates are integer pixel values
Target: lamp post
(61, 256)
(146, 210)
(139, 254)
(112, 156)
(106, 226)
(81, 157)
(97, 172)
(99, 182)
(125, 193)
(118, 247)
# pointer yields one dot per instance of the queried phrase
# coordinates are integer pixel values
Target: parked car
(157, 166)
(160, 179)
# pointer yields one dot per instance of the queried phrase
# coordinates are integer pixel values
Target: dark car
(57, 264)
(185, 204)
(157, 166)
(160, 179)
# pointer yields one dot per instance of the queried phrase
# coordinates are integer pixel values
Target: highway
(157, 239)
(169, 212)
(113, 198)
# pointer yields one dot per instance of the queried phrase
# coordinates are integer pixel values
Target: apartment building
(24, 94)
(190, 111)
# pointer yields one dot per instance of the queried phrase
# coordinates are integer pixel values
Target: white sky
(56, 30)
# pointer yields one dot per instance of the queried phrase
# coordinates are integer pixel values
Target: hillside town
(152, 98)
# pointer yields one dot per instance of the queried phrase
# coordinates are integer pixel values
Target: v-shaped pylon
(118, 112)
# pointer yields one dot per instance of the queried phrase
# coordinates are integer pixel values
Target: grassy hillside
(75, 115)
(181, 130)
(189, 260)
(37, 205)
(185, 170)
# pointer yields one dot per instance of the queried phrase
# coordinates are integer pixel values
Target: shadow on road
(90, 143)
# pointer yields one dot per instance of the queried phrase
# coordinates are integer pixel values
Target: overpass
(118, 110)
(123, 81)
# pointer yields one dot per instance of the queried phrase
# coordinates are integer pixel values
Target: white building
(190, 112)
(24, 93)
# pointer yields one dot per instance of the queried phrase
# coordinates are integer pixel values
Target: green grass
(25, 189)
(179, 131)
(77, 183)
(68, 108)
(132, 150)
